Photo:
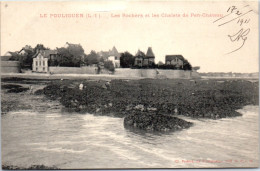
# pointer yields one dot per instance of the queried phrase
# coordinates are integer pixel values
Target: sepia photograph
(129, 84)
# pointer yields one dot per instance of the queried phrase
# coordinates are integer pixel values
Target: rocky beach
(149, 104)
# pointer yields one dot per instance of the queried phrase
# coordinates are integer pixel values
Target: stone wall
(156, 73)
(10, 67)
(127, 72)
(73, 70)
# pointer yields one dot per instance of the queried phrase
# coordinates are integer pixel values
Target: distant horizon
(201, 41)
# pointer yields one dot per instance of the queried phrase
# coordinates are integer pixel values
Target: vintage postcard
(129, 84)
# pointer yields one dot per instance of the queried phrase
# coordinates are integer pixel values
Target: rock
(151, 109)
(139, 107)
(97, 110)
(155, 122)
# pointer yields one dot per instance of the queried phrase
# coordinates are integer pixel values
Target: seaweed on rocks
(13, 88)
(33, 167)
(155, 122)
(203, 99)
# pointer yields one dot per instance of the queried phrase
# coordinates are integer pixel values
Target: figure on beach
(30, 89)
(81, 86)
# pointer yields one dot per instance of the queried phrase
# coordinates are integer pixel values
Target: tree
(186, 65)
(40, 47)
(15, 57)
(109, 66)
(77, 52)
(71, 56)
(27, 59)
(92, 58)
(66, 57)
(127, 60)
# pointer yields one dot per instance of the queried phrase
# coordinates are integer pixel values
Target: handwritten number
(232, 9)
(238, 13)
(242, 21)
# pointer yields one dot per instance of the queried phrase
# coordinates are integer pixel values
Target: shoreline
(65, 76)
(101, 76)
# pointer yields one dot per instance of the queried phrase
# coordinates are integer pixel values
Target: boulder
(155, 122)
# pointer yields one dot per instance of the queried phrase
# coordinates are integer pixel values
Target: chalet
(139, 56)
(41, 58)
(106, 54)
(142, 60)
(175, 60)
(111, 55)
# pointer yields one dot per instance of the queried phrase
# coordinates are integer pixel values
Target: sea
(83, 141)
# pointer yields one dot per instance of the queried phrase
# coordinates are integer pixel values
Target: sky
(196, 36)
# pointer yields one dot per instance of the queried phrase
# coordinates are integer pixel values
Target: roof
(46, 53)
(26, 50)
(10, 54)
(150, 52)
(171, 57)
(50, 52)
(112, 52)
(140, 53)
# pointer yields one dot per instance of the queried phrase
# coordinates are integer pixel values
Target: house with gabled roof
(142, 60)
(111, 55)
(26, 50)
(6, 56)
(174, 60)
(41, 60)
(139, 57)
(106, 54)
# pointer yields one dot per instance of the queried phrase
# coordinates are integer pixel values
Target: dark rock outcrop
(155, 122)
(203, 99)
(13, 88)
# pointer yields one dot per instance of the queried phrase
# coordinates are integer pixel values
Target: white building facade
(115, 60)
(40, 63)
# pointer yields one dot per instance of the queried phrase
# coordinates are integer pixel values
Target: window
(36, 63)
(43, 68)
(43, 63)
(36, 68)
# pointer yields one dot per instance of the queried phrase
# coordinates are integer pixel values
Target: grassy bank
(194, 98)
